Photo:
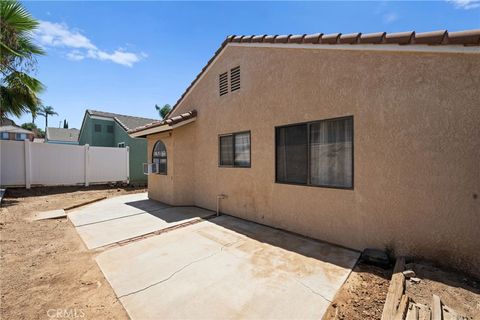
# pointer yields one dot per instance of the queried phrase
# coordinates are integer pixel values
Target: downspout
(219, 197)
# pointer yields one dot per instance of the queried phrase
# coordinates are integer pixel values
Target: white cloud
(51, 34)
(466, 4)
(75, 55)
(390, 17)
(118, 56)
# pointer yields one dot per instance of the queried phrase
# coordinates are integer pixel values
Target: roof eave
(158, 129)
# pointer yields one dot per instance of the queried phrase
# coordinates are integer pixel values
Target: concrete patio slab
(51, 214)
(113, 208)
(125, 217)
(226, 268)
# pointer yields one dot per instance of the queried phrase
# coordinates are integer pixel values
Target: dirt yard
(363, 294)
(46, 271)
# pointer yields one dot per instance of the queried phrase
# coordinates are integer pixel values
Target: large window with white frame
(318, 153)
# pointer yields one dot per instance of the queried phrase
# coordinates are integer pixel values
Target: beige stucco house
(363, 140)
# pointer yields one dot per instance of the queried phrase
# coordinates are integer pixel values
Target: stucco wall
(416, 155)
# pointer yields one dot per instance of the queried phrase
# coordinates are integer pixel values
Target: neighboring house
(363, 140)
(10, 131)
(106, 129)
(62, 136)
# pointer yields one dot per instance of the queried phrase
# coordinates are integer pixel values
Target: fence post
(28, 164)
(128, 164)
(87, 163)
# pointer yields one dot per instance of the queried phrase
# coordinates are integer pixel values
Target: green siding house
(106, 129)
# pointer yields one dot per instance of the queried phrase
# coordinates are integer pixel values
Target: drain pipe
(219, 197)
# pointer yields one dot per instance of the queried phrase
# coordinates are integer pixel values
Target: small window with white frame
(121, 144)
(21, 136)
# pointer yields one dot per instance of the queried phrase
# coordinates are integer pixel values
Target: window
(5, 136)
(159, 157)
(21, 136)
(318, 153)
(121, 144)
(234, 150)
(110, 129)
(98, 128)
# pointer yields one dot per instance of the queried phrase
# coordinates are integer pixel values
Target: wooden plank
(436, 308)
(84, 203)
(402, 308)
(395, 290)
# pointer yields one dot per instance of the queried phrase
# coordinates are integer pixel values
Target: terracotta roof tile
(331, 38)
(372, 38)
(296, 38)
(269, 39)
(350, 38)
(312, 38)
(282, 39)
(433, 37)
(469, 37)
(247, 39)
(168, 121)
(258, 38)
(442, 37)
(399, 37)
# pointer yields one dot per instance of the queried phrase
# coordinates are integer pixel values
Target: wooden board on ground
(395, 290)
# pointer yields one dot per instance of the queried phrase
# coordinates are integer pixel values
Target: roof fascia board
(101, 118)
(162, 128)
(365, 47)
(83, 122)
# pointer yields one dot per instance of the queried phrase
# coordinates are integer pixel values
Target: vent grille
(235, 78)
(223, 83)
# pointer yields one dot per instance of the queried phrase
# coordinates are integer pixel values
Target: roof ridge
(437, 37)
(118, 114)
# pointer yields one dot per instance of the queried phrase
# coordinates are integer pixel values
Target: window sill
(241, 167)
(315, 186)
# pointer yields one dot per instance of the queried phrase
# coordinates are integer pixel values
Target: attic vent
(235, 78)
(223, 83)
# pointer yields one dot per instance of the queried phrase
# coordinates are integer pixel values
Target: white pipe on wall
(219, 197)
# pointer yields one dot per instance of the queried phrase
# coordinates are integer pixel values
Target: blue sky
(125, 57)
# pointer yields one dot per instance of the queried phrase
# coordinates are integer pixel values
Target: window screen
(5, 136)
(242, 149)
(292, 154)
(110, 129)
(226, 150)
(331, 153)
(318, 153)
(98, 128)
(234, 149)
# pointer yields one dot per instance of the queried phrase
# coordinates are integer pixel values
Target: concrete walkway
(129, 216)
(226, 268)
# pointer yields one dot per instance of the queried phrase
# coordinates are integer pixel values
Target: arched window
(160, 157)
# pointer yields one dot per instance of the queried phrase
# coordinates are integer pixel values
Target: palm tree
(18, 90)
(46, 111)
(163, 111)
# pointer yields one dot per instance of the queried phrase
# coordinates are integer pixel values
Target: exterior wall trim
(365, 47)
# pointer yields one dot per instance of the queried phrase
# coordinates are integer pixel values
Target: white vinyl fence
(25, 163)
